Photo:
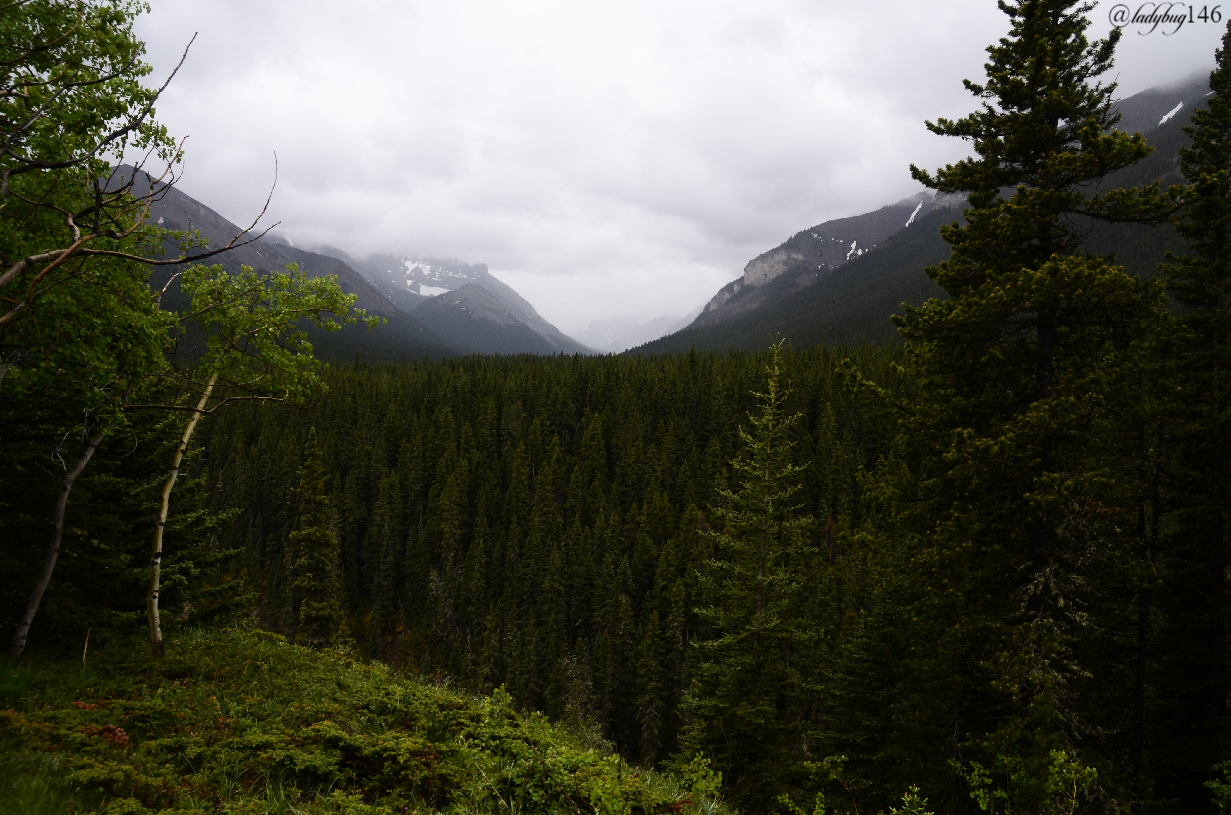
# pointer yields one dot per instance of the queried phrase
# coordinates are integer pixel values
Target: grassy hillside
(242, 722)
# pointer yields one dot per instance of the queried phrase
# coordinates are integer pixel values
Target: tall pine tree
(1015, 430)
(744, 705)
(314, 546)
(1190, 725)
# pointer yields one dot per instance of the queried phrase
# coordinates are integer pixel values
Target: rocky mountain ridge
(481, 315)
(813, 253)
(805, 291)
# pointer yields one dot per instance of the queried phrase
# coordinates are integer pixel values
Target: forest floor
(243, 722)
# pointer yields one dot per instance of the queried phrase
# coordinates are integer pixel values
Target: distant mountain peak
(813, 253)
(615, 335)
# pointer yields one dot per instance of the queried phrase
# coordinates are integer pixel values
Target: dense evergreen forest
(985, 567)
(538, 523)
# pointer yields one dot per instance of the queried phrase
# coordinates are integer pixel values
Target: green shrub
(243, 722)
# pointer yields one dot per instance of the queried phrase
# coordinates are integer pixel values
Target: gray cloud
(621, 159)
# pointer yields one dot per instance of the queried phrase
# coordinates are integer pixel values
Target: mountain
(494, 320)
(401, 338)
(801, 290)
(466, 305)
(616, 335)
(806, 257)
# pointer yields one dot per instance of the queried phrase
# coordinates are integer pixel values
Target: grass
(242, 722)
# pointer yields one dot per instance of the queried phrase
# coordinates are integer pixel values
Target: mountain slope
(476, 319)
(853, 303)
(807, 257)
(848, 306)
(466, 306)
(500, 322)
(401, 338)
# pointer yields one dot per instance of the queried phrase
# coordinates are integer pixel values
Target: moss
(242, 722)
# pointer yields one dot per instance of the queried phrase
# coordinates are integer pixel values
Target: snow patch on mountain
(1170, 113)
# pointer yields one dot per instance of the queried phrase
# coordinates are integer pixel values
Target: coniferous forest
(985, 567)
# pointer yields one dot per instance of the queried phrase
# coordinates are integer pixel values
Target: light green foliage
(912, 804)
(255, 350)
(81, 334)
(791, 808)
(704, 785)
(1220, 788)
(244, 722)
(252, 322)
(1066, 781)
(84, 325)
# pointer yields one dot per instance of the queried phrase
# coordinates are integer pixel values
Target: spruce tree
(1193, 644)
(650, 691)
(386, 547)
(1019, 369)
(314, 545)
(745, 700)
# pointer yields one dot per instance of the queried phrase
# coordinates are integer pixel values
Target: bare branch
(209, 411)
(64, 255)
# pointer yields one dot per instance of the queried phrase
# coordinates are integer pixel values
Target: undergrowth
(242, 722)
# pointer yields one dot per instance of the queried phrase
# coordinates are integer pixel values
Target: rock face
(761, 270)
(810, 255)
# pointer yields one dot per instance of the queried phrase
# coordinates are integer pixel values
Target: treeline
(539, 523)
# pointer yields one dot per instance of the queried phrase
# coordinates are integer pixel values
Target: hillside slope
(401, 338)
(806, 257)
(476, 319)
(240, 721)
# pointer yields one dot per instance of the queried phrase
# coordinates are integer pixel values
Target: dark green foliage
(314, 549)
(746, 701)
(536, 522)
(1018, 437)
(105, 553)
(1192, 549)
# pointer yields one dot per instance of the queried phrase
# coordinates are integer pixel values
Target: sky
(607, 160)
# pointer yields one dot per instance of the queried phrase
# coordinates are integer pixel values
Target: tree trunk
(53, 547)
(1145, 602)
(161, 524)
(1216, 699)
(1040, 542)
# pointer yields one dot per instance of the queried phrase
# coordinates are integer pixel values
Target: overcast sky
(622, 159)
